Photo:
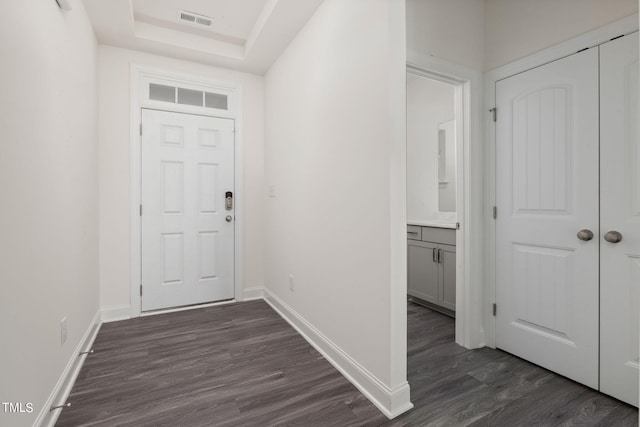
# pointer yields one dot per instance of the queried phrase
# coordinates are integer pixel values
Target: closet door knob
(585, 235)
(613, 236)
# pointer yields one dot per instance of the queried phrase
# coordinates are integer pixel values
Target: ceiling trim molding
(261, 22)
(184, 40)
(276, 25)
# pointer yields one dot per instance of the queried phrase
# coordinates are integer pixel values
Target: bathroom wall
(429, 103)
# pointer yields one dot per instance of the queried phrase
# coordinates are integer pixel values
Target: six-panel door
(187, 231)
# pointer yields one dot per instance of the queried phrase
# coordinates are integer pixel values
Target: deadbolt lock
(228, 200)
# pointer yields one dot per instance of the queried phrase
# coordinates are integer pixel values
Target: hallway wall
(452, 30)
(518, 28)
(335, 135)
(49, 193)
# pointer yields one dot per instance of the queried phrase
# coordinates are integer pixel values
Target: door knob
(613, 236)
(228, 218)
(585, 235)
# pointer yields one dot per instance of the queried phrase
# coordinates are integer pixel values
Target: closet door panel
(546, 192)
(620, 211)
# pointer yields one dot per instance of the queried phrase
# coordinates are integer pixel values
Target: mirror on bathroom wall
(447, 166)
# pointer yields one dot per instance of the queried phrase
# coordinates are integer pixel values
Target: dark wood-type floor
(242, 365)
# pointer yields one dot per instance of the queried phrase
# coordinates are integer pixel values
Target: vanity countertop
(438, 223)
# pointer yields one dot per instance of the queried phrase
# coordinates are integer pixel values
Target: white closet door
(547, 191)
(187, 231)
(620, 211)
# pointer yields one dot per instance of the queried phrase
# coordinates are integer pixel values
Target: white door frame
(593, 38)
(140, 76)
(469, 331)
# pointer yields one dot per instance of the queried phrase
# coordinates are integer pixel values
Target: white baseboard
(115, 313)
(392, 402)
(61, 391)
(256, 292)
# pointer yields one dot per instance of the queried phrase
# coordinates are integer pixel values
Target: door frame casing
(139, 77)
(593, 38)
(467, 91)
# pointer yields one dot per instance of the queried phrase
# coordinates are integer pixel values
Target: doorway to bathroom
(432, 223)
(444, 201)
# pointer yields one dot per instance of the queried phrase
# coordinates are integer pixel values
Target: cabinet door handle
(440, 255)
(435, 259)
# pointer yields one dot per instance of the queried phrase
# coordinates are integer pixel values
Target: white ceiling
(247, 35)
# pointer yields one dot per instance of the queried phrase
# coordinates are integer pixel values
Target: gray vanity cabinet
(422, 272)
(447, 277)
(431, 269)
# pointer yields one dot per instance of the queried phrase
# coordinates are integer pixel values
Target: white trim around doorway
(469, 257)
(140, 76)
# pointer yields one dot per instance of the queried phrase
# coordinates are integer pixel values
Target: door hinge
(140, 129)
(495, 212)
(495, 309)
(140, 210)
(494, 112)
(457, 226)
(141, 291)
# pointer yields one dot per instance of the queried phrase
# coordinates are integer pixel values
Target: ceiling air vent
(195, 19)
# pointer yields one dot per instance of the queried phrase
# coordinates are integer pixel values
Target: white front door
(620, 211)
(187, 229)
(546, 192)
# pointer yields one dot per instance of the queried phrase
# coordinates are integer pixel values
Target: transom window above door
(180, 95)
(191, 96)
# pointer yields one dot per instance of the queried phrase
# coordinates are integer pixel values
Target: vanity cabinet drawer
(414, 232)
(444, 236)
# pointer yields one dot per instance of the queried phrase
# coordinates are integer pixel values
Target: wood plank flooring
(242, 365)
(452, 386)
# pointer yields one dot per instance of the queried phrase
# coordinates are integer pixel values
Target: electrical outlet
(63, 330)
(291, 286)
(272, 191)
